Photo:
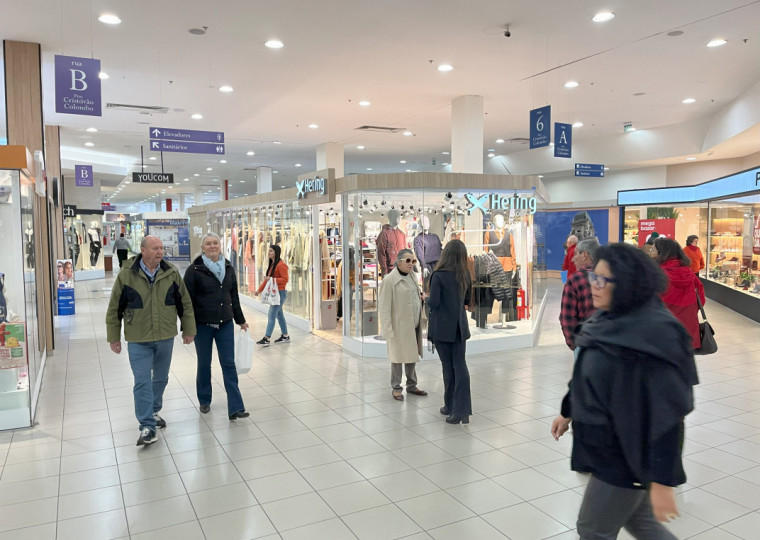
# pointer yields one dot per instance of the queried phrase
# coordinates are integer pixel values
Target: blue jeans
(225, 348)
(275, 312)
(150, 363)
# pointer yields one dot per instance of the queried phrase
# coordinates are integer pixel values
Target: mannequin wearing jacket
(501, 243)
(389, 242)
(427, 248)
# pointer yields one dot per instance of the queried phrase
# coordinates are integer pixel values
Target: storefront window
(83, 236)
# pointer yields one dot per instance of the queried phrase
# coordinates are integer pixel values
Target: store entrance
(328, 272)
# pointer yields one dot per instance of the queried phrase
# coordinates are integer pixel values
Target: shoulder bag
(706, 334)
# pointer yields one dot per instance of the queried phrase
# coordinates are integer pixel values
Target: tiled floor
(328, 454)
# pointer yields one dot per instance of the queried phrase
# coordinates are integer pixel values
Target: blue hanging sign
(563, 140)
(589, 170)
(77, 86)
(540, 126)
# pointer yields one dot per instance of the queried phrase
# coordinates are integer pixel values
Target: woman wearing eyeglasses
(631, 388)
(400, 311)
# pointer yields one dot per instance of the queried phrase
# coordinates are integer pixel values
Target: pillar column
(263, 179)
(198, 199)
(467, 134)
(53, 170)
(330, 156)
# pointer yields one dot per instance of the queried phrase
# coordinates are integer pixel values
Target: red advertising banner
(756, 236)
(663, 227)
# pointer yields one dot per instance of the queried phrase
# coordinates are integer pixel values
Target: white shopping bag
(244, 346)
(271, 295)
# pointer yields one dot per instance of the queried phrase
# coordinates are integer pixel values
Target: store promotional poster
(12, 345)
(65, 286)
(663, 227)
(583, 224)
(175, 235)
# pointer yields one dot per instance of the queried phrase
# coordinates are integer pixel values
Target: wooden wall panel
(23, 94)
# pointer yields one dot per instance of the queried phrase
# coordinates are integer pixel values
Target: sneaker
(147, 436)
(205, 408)
(160, 422)
(264, 342)
(240, 414)
(282, 339)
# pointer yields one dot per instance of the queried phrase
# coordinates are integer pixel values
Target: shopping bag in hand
(271, 295)
(244, 345)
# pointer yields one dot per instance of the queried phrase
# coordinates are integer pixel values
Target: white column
(263, 179)
(467, 134)
(330, 156)
(198, 199)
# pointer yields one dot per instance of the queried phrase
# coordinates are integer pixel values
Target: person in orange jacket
(279, 271)
(694, 253)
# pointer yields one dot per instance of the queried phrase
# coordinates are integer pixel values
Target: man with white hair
(568, 263)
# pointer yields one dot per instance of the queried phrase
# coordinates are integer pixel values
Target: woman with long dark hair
(630, 391)
(448, 330)
(684, 286)
(279, 271)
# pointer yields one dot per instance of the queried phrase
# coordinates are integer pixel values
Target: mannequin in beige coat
(400, 307)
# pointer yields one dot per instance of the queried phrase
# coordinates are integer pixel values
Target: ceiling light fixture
(360, 147)
(603, 16)
(717, 42)
(446, 153)
(691, 159)
(313, 126)
(196, 116)
(89, 143)
(103, 75)
(274, 44)
(443, 68)
(408, 134)
(152, 158)
(402, 161)
(369, 168)
(209, 169)
(499, 141)
(226, 88)
(572, 84)
(196, 174)
(276, 142)
(492, 155)
(250, 153)
(242, 181)
(187, 179)
(578, 124)
(297, 165)
(222, 161)
(688, 101)
(92, 129)
(364, 103)
(109, 18)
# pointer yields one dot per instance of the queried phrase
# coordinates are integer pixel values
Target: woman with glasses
(631, 388)
(448, 329)
(400, 311)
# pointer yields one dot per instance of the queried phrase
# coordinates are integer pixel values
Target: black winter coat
(446, 308)
(213, 302)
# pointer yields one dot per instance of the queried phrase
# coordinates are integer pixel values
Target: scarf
(217, 268)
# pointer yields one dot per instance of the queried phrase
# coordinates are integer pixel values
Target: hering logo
(497, 202)
(310, 186)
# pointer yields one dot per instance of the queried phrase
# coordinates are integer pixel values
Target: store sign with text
(77, 86)
(540, 126)
(316, 188)
(663, 227)
(83, 175)
(563, 140)
(153, 178)
(496, 201)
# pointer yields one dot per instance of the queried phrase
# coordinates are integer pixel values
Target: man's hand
(116, 347)
(663, 502)
(187, 340)
(560, 425)
(244, 326)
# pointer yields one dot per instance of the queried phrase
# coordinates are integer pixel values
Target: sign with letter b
(77, 86)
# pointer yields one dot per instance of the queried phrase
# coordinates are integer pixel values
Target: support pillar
(263, 179)
(331, 156)
(467, 134)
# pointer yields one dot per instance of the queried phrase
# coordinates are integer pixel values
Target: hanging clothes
(389, 242)
(501, 243)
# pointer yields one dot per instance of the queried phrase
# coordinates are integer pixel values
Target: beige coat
(403, 337)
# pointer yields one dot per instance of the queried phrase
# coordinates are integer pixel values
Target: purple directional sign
(186, 147)
(187, 135)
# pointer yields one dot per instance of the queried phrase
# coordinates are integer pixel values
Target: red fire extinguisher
(522, 305)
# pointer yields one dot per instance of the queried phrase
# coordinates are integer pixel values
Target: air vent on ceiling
(380, 129)
(137, 108)
(520, 140)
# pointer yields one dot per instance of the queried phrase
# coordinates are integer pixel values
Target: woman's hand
(244, 326)
(663, 502)
(560, 425)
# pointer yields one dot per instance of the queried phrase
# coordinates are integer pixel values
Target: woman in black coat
(631, 388)
(213, 287)
(448, 330)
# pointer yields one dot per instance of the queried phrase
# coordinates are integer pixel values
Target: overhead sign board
(316, 187)
(83, 175)
(153, 178)
(563, 140)
(186, 147)
(496, 201)
(589, 170)
(188, 135)
(77, 86)
(540, 126)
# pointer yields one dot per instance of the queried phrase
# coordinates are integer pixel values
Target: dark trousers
(456, 376)
(607, 508)
(225, 348)
(122, 255)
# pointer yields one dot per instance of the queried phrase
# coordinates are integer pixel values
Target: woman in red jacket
(568, 264)
(279, 271)
(683, 286)
(694, 253)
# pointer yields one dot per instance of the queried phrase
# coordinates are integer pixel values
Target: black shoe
(455, 419)
(147, 436)
(240, 414)
(445, 411)
(282, 339)
(264, 342)
(160, 422)
(205, 408)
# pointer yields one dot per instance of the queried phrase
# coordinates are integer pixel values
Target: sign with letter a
(77, 86)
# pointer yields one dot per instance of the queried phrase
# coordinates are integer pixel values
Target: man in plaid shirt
(577, 305)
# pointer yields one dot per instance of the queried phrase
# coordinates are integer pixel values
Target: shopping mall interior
(344, 133)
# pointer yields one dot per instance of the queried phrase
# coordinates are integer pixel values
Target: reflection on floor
(327, 453)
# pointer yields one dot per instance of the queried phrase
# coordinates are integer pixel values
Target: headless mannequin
(427, 248)
(389, 242)
(507, 306)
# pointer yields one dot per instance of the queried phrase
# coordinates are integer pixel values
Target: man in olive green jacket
(148, 295)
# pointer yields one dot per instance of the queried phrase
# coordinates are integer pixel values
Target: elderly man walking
(577, 304)
(148, 296)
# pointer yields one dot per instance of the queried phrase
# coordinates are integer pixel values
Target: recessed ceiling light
(127, 183)
(492, 155)
(242, 181)
(691, 159)
(250, 153)
(222, 161)
(360, 147)
(369, 168)
(103, 75)
(578, 124)
(402, 161)
(275, 172)
(572, 84)
(196, 116)
(282, 186)
(445, 67)
(274, 44)
(540, 175)
(171, 187)
(92, 129)
(313, 126)
(364, 103)
(187, 179)
(109, 18)
(717, 43)
(297, 165)
(446, 153)
(492, 149)
(152, 158)
(214, 179)
(408, 134)
(409, 170)
(276, 142)
(603, 16)
(689, 100)
(209, 169)
(226, 88)
(196, 174)
(89, 143)
(499, 141)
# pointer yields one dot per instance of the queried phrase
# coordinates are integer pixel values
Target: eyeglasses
(410, 261)
(600, 282)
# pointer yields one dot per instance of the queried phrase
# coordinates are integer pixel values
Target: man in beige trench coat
(400, 306)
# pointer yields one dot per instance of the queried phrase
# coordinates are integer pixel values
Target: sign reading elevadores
(77, 86)
(153, 178)
(589, 169)
(188, 141)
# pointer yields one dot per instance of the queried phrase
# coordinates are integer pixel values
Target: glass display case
(20, 352)
(83, 237)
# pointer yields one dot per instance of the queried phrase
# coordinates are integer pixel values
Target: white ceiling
(338, 52)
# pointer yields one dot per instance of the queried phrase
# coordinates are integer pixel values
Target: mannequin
(502, 244)
(73, 241)
(427, 248)
(389, 242)
(29, 245)
(93, 234)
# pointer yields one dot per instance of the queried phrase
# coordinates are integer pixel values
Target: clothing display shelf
(330, 253)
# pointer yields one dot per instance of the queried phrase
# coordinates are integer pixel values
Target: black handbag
(706, 334)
